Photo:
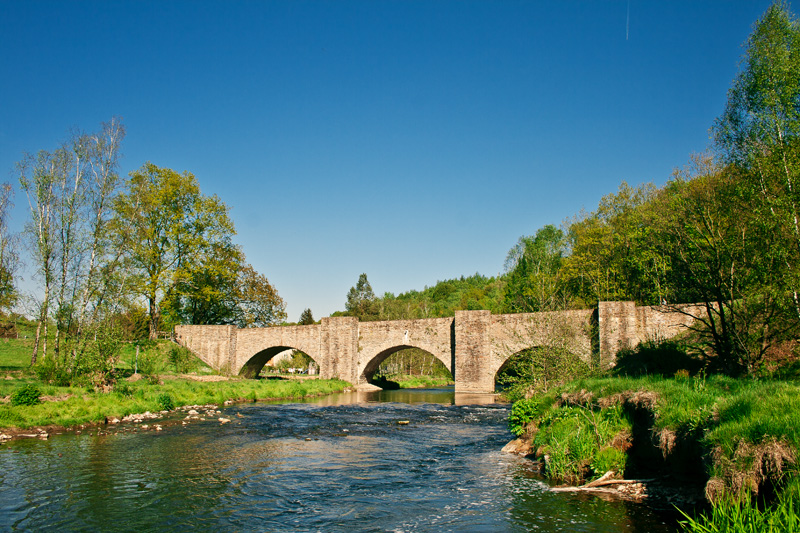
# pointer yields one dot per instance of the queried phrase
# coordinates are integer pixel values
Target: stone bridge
(473, 345)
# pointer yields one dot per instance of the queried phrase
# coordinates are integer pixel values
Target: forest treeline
(724, 231)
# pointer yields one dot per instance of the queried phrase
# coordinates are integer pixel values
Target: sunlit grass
(420, 382)
(83, 406)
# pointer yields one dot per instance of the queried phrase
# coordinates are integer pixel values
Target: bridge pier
(472, 351)
(338, 348)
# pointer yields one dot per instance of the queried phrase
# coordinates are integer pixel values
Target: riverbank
(64, 407)
(729, 438)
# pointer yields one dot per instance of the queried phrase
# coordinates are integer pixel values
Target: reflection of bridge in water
(473, 345)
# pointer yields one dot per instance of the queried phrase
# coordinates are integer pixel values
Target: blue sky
(415, 141)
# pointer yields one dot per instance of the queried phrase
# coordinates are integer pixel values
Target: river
(346, 462)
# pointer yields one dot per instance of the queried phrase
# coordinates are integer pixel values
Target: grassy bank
(738, 439)
(165, 383)
(421, 382)
(74, 406)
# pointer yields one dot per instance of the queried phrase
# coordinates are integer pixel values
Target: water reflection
(443, 396)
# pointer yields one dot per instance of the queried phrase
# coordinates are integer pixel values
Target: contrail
(628, 21)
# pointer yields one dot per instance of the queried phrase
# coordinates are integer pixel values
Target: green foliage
(178, 245)
(8, 250)
(665, 358)
(534, 281)
(151, 364)
(748, 430)
(611, 257)
(182, 360)
(28, 394)
(298, 359)
(306, 318)
(412, 362)
(361, 300)
(124, 389)
(576, 439)
(80, 407)
(165, 401)
(441, 300)
(50, 369)
(609, 458)
(90, 363)
(744, 514)
(524, 411)
(539, 369)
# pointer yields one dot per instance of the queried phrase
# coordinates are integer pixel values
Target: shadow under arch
(252, 368)
(373, 365)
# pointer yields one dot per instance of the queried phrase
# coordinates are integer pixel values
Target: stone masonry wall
(513, 333)
(214, 345)
(473, 352)
(473, 346)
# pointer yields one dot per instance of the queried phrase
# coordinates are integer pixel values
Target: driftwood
(603, 483)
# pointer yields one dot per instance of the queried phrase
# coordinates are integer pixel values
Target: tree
(37, 177)
(534, 272)
(306, 318)
(69, 192)
(259, 302)
(759, 132)
(610, 258)
(361, 300)
(725, 255)
(165, 225)
(8, 251)
(206, 291)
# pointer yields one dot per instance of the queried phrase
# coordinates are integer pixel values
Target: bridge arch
(253, 366)
(371, 365)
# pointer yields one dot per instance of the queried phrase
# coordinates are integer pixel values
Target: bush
(26, 395)
(182, 359)
(653, 358)
(166, 402)
(522, 412)
(538, 370)
(124, 389)
(49, 370)
(151, 365)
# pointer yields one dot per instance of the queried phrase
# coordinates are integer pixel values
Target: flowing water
(346, 462)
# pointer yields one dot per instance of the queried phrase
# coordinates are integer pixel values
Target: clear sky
(415, 141)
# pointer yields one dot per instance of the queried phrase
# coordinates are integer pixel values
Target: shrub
(182, 359)
(49, 370)
(522, 412)
(124, 389)
(609, 459)
(26, 395)
(664, 358)
(166, 402)
(151, 365)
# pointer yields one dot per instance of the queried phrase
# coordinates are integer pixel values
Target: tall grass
(744, 515)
